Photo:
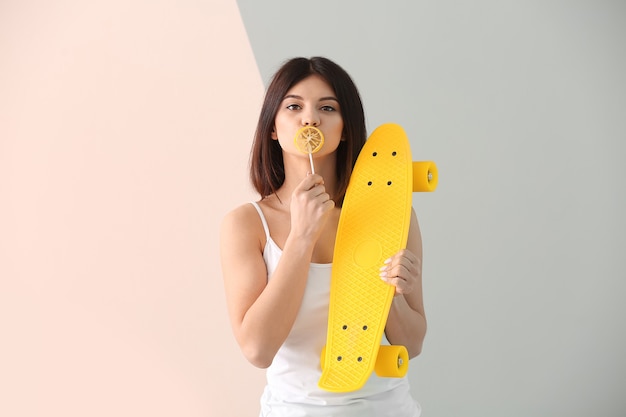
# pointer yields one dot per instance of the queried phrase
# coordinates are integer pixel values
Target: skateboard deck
(373, 226)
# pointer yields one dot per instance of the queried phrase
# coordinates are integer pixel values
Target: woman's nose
(310, 118)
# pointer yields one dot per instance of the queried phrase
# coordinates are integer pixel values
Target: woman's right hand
(310, 207)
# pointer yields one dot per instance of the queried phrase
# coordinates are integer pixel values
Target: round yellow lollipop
(309, 140)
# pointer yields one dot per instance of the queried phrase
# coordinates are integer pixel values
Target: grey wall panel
(523, 107)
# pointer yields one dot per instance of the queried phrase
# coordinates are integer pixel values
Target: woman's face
(310, 102)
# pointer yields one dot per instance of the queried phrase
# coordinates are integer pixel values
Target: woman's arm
(262, 312)
(406, 324)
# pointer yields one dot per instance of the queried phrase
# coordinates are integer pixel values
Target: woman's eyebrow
(297, 97)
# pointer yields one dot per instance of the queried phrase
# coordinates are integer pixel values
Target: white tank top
(292, 390)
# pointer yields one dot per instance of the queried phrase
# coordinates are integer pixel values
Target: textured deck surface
(373, 226)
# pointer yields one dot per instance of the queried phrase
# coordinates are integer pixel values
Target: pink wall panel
(124, 135)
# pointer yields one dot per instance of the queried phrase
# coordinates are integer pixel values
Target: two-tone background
(125, 129)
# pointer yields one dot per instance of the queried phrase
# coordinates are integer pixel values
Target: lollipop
(309, 140)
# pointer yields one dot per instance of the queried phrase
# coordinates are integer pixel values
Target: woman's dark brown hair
(267, 171)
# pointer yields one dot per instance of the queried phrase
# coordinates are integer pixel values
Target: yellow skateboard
(374, 225)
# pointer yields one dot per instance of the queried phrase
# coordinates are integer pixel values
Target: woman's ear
(274, 135)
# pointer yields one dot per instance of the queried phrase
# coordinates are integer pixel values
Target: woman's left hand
(403, 271)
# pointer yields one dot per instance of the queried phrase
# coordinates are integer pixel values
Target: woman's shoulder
(242, 216)
(242, 227)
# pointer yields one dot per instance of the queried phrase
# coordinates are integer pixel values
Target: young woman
(277, 252)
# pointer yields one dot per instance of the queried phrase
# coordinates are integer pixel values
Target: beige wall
(124, 134)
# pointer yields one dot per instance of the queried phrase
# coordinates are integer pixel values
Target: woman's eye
(328, 108)
(293, 107)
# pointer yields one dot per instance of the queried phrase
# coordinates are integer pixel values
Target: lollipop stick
(311, 159)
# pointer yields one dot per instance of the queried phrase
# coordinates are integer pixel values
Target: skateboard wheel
(392, 361)
(425, 176)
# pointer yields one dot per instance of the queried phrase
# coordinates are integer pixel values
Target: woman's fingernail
(383, 275)
(388, 260)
